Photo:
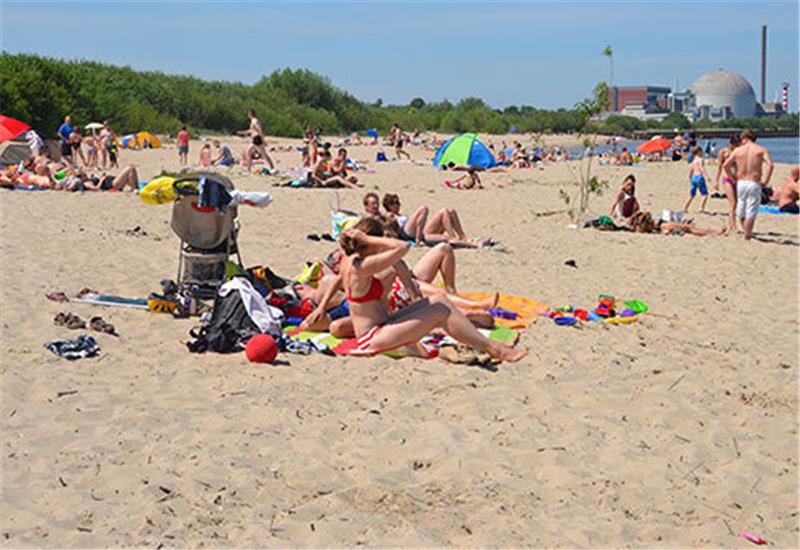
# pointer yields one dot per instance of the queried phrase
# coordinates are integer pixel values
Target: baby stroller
(207, 234)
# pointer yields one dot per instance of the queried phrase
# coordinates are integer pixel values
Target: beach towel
(430, 343)
(527, 310)
(771, 210)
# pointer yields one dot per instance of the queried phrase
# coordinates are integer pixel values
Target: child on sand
(697, 179)
(205, 155)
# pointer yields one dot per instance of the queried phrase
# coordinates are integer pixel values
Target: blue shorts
(183, 149)
(698, 184)
(340, 311)
(225, 161)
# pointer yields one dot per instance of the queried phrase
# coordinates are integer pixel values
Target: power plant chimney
(763, 63)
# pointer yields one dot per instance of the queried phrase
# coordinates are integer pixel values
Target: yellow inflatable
(159, 191)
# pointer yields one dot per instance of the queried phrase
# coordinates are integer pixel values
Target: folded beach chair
(207, 234)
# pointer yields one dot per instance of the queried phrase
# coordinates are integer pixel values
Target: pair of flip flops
(73, 322)
(324, 237)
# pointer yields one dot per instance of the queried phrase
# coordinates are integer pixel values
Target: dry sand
(678, 431)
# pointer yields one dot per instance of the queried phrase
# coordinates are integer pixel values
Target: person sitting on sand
(404, 287)
(697, 180)
(642, 222)
(473, 181)
(224, 155)
(625, 158)
(339, 166)
(377, 330)
(444, 226)
(790, 193)
(625, 204)
(322, 176)
(410, 228)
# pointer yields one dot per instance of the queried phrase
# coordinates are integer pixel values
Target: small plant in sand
(585, 183)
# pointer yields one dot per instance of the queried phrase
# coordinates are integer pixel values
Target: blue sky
(537, 53)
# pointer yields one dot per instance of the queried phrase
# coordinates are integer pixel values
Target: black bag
(229, 329)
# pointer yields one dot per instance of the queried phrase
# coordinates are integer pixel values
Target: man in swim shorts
(745, 165)
(183, 146)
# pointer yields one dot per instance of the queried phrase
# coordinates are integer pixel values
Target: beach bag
(340, 219)
(229, 328)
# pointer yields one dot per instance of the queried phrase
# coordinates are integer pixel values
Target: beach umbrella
(11, 128)
(93, 126)
(464, 149)
(656, 145)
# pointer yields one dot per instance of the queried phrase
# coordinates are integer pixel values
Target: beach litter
(755, 539)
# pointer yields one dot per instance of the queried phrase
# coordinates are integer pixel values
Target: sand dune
(678, 431)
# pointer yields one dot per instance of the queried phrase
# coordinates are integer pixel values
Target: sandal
(69, 320)
(98, 324)
(57, 296)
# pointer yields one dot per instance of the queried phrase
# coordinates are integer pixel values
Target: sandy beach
(680, 430)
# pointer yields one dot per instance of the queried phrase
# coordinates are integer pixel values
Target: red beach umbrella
(11, 128)
(656, 145)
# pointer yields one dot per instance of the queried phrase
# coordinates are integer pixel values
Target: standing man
(257, 134)
(183, 146)
(744, 166)
(64, 132)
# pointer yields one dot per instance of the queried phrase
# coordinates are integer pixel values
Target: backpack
(228, 330)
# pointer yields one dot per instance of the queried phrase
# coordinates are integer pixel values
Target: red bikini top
(375, 293)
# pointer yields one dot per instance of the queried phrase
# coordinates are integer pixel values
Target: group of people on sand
(94, 149)
(745, 169)
(370, 293)
(77, 169)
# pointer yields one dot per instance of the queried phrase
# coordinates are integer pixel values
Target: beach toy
(637, 306)
(261, 348)
(594, 316)
(627, 313)
(622, 320)
(159, 191)
(582, 314)
(755, 539)
(565, 321)
(502, 313)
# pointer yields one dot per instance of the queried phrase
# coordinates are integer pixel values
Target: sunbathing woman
(412, 228)
(26, 178)
(444, 227)
(642, 222)
(376, 329)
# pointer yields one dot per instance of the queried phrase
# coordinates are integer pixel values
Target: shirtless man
(790, 193)
(745, 165)
(257, 134)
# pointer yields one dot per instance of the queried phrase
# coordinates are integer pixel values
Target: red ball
(261, 348)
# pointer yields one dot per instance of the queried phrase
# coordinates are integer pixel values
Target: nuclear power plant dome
(722, 88)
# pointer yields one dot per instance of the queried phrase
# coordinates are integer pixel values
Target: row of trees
(619, 124)
(40, 91)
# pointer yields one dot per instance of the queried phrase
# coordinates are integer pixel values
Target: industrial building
(716, 95)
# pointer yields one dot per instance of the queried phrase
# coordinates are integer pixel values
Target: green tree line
(40, 91)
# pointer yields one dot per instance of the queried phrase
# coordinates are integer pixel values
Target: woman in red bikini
(366, 257)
